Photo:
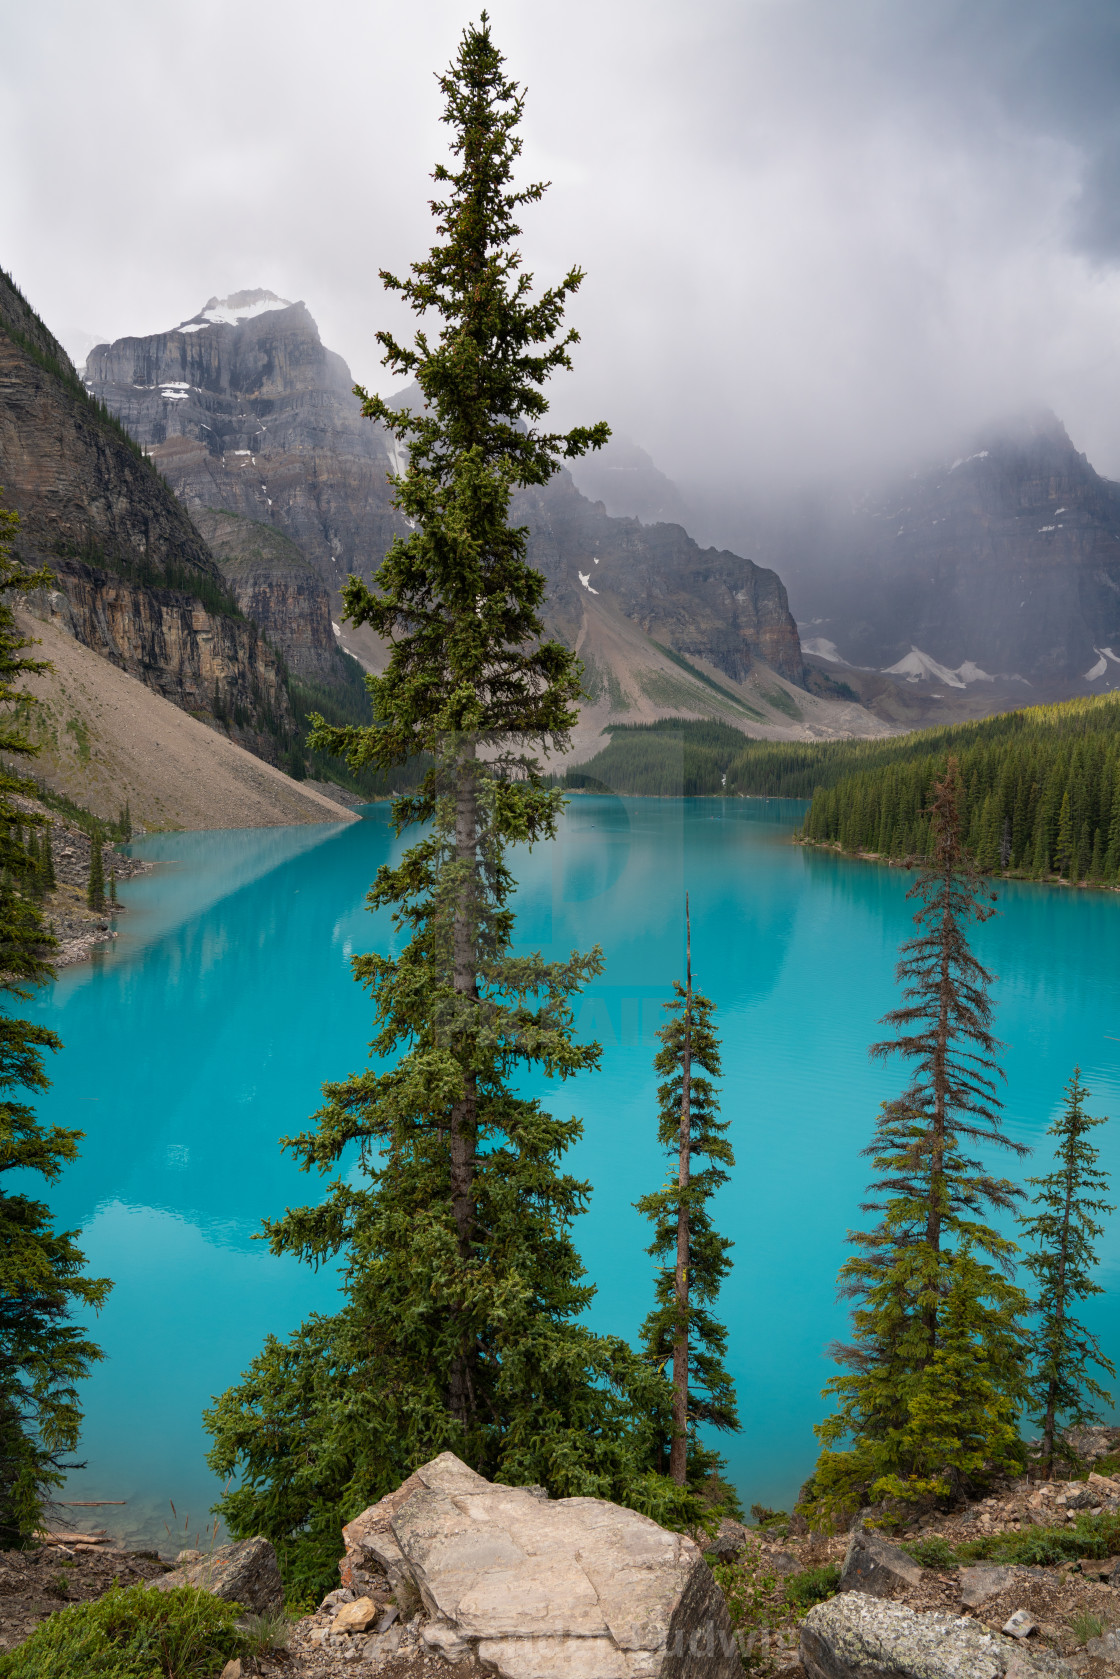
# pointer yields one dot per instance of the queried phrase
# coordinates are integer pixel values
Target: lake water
(204, 1033)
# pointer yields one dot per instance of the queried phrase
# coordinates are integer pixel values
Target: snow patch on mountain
(821, 648)
(233, 310)
(1098, 670)
(920, 667)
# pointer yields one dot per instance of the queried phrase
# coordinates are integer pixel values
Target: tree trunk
(940, 1093)
(1050, 1420)
(678, 1450)
(463, 1124)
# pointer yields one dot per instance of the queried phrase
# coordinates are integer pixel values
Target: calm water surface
(204, 1034)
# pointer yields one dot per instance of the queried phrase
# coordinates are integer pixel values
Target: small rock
(388, 1618)
(245, 1573)
(1099, 1570)
(1020, 1625)
(782, 1562)
(871, 1565)
(979, 1584)
(731, 1540)
(341, 1594)
(232, 1669)
(446, 1639)
(358, 1616)
(382, 1645)
(189, 1556)
(1105, 1649)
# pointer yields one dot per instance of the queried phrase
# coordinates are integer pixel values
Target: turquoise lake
(204, 1033)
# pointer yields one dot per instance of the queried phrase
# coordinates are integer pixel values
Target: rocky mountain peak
(1004, 556)
(236, 309)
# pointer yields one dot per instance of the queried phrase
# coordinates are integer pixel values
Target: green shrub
(1092, 1537)
(812, 1585)
(133, 1633)
(766, 1517)
(934, 1552)
(749, 1592)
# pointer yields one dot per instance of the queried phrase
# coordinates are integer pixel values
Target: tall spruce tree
(95, 886)
(43, 1353)
(681, 1329)
(934, 1373)
(1063, 1231)
(462, 1285)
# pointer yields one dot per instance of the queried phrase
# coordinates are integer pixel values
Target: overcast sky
(818, 233)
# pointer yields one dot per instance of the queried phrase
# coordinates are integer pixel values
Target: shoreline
(67, 916)
(837, 850)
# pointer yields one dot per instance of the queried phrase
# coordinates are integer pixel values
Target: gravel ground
(105, 738)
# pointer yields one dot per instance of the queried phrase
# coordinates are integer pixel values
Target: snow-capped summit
(239, 306)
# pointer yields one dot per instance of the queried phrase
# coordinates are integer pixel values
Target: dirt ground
(35, 1584)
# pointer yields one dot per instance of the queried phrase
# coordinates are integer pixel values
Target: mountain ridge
(134, 580)
(244, 409)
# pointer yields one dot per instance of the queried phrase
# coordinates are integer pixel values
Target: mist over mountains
(246, 413)
(976, 583)
(995, 565)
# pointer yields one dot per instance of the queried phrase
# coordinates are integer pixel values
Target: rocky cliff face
(1004, 560)
(243, 409)
(135, 580)
(279, 589)
(701, 602)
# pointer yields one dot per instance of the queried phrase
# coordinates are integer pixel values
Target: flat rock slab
(981, 1583)
(856, 1636)
(246, 1573)
(571, 1588)
(871, 1565)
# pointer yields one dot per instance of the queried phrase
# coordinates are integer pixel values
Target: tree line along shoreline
(1040, 787)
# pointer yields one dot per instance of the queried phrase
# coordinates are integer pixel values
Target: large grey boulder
(871, 1565)
(856, 1636)
(534, 1588)
(246, 1573)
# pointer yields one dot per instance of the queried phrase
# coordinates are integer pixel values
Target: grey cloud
(820, 235)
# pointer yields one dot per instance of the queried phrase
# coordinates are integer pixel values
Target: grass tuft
(1086, 1625)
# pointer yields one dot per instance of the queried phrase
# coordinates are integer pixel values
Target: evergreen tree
(49, 879)
(681, 1328)
(935, 1315)
(95, 890)
(1064, 845)
(1064, 1230)
(43, 1353)
(462, 1285)
(113, 886)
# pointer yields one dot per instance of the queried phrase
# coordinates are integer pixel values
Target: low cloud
(821, 235)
